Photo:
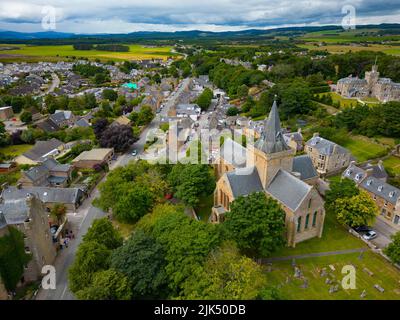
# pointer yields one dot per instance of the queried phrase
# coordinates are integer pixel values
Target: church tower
(372, 78)
(271, 152)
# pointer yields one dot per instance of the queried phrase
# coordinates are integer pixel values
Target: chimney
(19, 185)
(315, 134)
(380, 164)
(299, 130)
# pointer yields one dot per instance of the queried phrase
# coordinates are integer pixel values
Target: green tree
(104, 232)
(256, 223)
(91, 257)
(140, 196)
(12, 258)
(232, 111)
(243, 91)
(204, 99)
(110, 94)
(226, 275)
(393, 249)
(58, 212)
(26, 117)
(106, 285)
(142, 260)
(191, 181)
(344, 188)
(358, 210)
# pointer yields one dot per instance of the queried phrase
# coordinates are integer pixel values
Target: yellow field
(136, 52)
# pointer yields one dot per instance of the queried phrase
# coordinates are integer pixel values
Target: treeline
(98, 75)
(101, 47)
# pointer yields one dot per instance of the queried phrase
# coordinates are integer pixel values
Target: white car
(370, 235)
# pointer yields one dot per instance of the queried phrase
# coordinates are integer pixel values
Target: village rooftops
(41, 149)
(381, 189)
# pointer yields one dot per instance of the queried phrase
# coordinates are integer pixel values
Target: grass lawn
(384, 274)
(363, 148)
(16, 150)
(124, 228)
(392, 164)
(203, 210)
(136, 52)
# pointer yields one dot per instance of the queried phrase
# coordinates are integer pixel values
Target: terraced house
(372, 179)
(270, 166)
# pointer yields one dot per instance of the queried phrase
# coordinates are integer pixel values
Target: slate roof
(378, 170)
(15, 211)
(288, 189)
(41, 148)
(357, 174)
(381, 189)
(46, 194)
(244, 181)
(234, 153)
(48, 125)
(303, 165)
(82, 123)
(271, 140)
(324, 146)
(58, 117)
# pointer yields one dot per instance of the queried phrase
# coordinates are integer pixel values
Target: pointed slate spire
(272, 140)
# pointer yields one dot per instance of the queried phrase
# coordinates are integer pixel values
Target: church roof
(288, 189)
(272, 140)
(234, 153)
(244, 181)
(303, 165)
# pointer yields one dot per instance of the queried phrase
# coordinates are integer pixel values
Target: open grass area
(340, 49)
(15, 150)
(392, 164)
(203, 210)
(363, 148)
(53, 52)
(124, 228)
(384, 274)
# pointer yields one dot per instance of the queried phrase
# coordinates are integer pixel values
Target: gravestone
(363, 294)
(323, 273)
(297, 272)
(332, 267)
(305, 284)
(328, 281)
(379, 288)
(370, 273)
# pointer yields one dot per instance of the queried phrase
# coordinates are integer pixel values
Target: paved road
(54, 84)
(86, 213)
(384, 231)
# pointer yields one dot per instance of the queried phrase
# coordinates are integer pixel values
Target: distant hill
(20, 37)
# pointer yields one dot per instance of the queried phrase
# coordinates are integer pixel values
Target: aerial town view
(221, 150)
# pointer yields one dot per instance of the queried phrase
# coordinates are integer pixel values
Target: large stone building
(384, 89)
(269, 166)
(28, 215)
(372, 179)
(327, 156)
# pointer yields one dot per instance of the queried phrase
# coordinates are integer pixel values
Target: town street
(81, 220)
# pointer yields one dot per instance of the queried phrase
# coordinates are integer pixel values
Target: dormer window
(348, 172)
(369, 182)
(391, 194)
(380, 188)
(358, 176)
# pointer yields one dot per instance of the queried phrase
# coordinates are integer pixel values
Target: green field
(339, 49)
(136, 52)
(16, 150)
(348, 102)
(363, 148)
(392, 164)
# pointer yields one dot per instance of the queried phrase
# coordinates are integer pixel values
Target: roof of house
(357, 174)
(325, 147)
(297, 136)
(271, 140)
(381, 189)
(46, 194)
(234, 153)
(82, 123)
(58, 117)
(288, 189)
(50, 164)
(14, 211)
(303, 165)
(378, 170)
(97, 154)
(48, 125)
(42, 148)
(244, 181)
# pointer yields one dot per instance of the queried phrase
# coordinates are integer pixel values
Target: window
(307, 221)
(314, 219)
(298, 224)
(309, 203)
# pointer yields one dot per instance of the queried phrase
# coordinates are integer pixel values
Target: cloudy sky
(123, 16)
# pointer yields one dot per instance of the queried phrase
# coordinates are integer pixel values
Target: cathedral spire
(272, 140)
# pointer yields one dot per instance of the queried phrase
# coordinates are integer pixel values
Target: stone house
(89, 159)
(327, 156)
(41, 151)
(372, 179)
(49, 173)
(6, 113)
(28, 215)
(268, 166)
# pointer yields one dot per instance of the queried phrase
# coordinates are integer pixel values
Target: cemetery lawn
(392, 164)
(335, 238)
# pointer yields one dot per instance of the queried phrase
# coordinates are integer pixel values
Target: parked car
(370, 235)
(362, 229)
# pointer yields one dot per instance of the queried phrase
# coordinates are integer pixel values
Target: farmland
(53, 53)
